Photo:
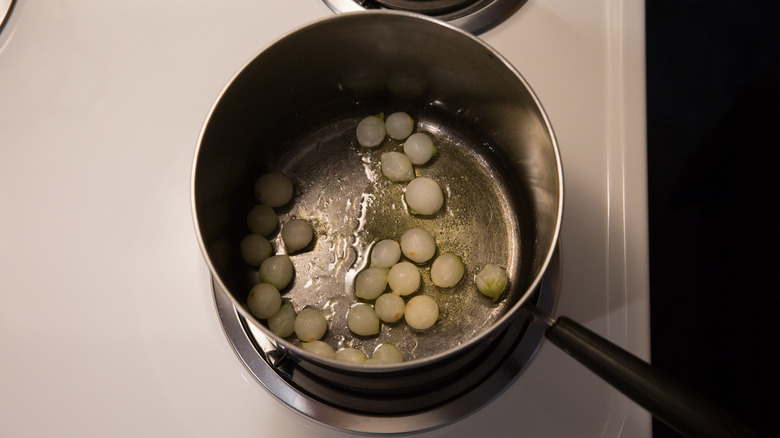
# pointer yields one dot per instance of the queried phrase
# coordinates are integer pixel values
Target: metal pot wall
(310, 88)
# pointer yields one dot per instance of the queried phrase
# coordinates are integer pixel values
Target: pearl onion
(399, 125)
(262, 219)
(491, 281)
(310, 325)
(447, 270)
(387, 354)
(255, 249)
(362, 320)
(418, 245)
(274, 189)
(264, 301)
(319, 348)
(404, 278)
(419, 148)
(371, 131)
(397, 167)
(421, 312)
(370, 283)
(424, 196)
(277, 270)
(389, 307)
(296, 234)
(352, 355)
(385, 254)
(282, 323)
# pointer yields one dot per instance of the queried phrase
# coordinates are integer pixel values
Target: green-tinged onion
(277, 270)
(371, 283)
(262, 219)
(264, 301)
(387, 354)
(282, 323)
(255, 249)
(491, 281)
(296, 234)
(319, 348)
(403, 278)
(362, 320)
(351, 355)
(310, 325)
(274, 189)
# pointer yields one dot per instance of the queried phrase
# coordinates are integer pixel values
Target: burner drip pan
(428, 7)
(475, 16)
(406, 411)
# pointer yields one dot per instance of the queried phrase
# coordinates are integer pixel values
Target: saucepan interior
(294, 108)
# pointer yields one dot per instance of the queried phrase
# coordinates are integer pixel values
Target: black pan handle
(669, 401)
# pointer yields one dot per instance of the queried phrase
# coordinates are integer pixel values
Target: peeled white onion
(424, 196)
(362, 320)
(296, 234)
(274, 189)
(282, 323)
(397, 167)
(419, 148)
(421, 312)
(491, 281)
(403, 278)
(370, 283)
(389, 307)
(352, 355)
(371, 131)
(447, 270)
(310, 325)
(264, 301)
(277, 270)
(385, 254)
(255, 249)
(319, 348)
(399, 125)
(262, 220)
(386, 354)
(418, 245)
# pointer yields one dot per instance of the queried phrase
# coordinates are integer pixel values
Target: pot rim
(297, 351)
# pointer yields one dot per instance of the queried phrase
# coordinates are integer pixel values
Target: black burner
(428, 7)
(474, 16)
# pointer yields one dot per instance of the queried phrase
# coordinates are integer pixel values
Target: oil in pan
(341, 190)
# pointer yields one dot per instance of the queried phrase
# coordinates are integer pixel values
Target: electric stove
(108, 320)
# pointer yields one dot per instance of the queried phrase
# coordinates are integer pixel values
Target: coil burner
(335, 407)
(475, 16)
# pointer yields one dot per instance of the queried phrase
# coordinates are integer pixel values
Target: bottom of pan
(503, 363)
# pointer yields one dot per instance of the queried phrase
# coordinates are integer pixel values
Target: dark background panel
(713, 101)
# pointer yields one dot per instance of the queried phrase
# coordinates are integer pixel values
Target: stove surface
(108, 325)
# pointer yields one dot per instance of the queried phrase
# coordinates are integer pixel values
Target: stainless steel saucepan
(294, 108)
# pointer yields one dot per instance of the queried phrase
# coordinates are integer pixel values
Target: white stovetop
(107, 322)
